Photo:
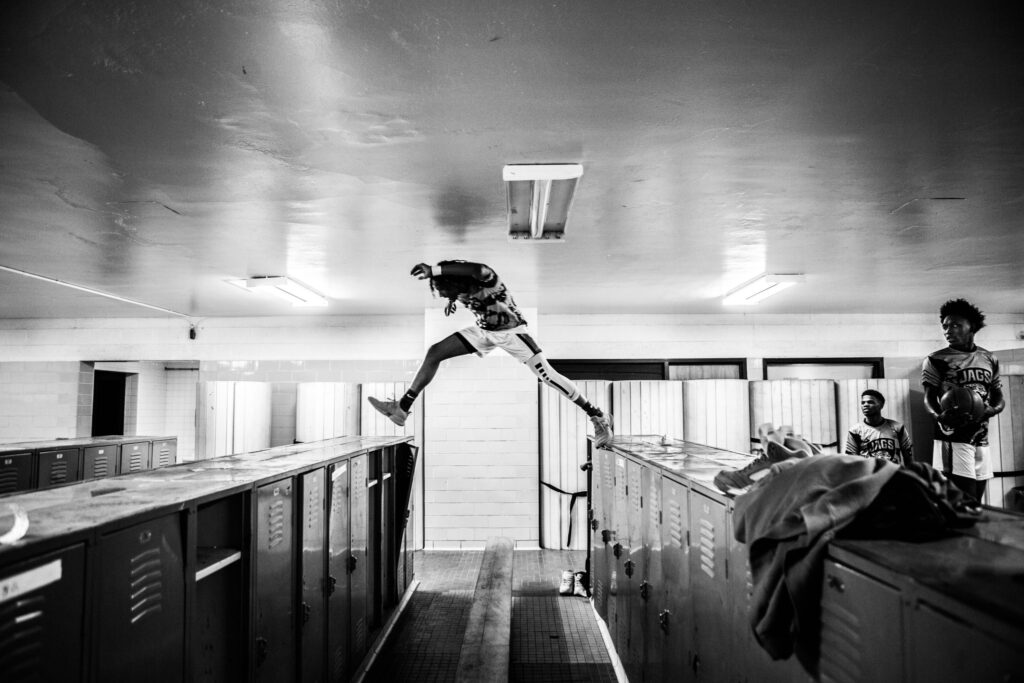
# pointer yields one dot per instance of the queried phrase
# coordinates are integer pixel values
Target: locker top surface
(51, 444)
(74, 512)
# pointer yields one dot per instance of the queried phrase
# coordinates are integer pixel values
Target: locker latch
(261, 650)
(836, 582)
(645, 590)
(586, 467)
(351, 564)
(306, 612)
(606, 535)
(663, 620)
(617, 550)
(594, 524)
(628, 566)
(330, 584)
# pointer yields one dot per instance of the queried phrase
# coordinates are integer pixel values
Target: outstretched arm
(477, 271)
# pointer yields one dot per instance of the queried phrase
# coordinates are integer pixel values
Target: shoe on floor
(580, 581)
(565, 586)
(777, 452)
(390, 410)
(602, 431)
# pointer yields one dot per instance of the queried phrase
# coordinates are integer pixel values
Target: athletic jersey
(492, 304)
(977, 370)
(889, 441)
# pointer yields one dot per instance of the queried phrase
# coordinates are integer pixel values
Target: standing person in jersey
(961, 444)
(499, 324)
(876, 436)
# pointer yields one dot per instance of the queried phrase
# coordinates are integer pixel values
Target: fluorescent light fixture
(284, 288)
(760, 288)
(539, 198)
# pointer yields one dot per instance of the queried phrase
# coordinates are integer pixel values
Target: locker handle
(663, 620)
(261, 650)
(836, 583)
(387, 475)
(629, 568)
(330, 584)
(351, 564)
(306, 612)
(594, 524)
(586, 467)
(617, 550)
(370, 483)
(645, 590)
(606, 535)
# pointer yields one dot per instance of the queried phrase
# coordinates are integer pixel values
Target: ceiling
(154, 150)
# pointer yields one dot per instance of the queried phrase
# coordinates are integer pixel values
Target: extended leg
(539, 365)
(449, 347)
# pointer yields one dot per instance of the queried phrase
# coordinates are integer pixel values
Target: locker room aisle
(554, 638)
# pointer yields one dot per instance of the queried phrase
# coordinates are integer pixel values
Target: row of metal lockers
(40, 464)
(674, 587)
(280, 580)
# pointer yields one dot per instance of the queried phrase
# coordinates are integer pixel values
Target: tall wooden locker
(848, 393)
(338, 574)
(808, 405)
(1006, 442)
(232, 417)
(563, 451)
(275, 582)
(675, 601)
(41, 617)
(15, 472)
(140, 574)
(648, 407)
(714, 413)
(312, 621)
(373, 423)
(324, 410)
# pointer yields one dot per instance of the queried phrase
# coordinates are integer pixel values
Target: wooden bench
(485, 647)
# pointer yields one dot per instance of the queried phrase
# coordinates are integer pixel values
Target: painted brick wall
(38, 400)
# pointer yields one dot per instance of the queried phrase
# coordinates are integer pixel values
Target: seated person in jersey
(876, 436)
(499, 324)
(960, 445)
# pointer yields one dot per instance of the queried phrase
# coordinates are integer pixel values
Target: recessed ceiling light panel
(539, 198)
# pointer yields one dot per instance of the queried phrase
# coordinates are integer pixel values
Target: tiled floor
(555, 638)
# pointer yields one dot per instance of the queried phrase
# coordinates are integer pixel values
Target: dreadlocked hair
(964, 309)
(450, 286)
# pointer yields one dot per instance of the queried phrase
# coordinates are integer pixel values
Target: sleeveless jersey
(889, 441)
(492, 305)
(977, 370)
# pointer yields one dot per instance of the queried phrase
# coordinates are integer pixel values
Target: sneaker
(565, 586)
(389, 409)
(580, 580)
(727, 480)
(798, 443)
(602, 431)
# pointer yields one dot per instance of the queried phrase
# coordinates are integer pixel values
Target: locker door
(675, 609)
(135, 456)
(603, 485)
(944, 647)
(99, 462)
(652, 584)
(313, 580)
(338, 573)
(41, 617)
(141, 616)
(338, 557)
(634, 568)
(388, 543)
(58, 467)
(359, 530)
(618, 624)
(861, 628)
(165, 452)
(15, 472)
(708, 552)
(275, 582)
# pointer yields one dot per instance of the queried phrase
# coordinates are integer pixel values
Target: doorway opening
(108, 400)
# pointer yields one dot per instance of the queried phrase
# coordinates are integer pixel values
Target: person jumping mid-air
(499, 324)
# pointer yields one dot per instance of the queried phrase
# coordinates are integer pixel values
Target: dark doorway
(108, 403)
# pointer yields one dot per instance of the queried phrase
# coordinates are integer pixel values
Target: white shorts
(962, 459)
(516, 342)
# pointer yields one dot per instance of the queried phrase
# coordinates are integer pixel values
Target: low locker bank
(271, 566)
(674, 587)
